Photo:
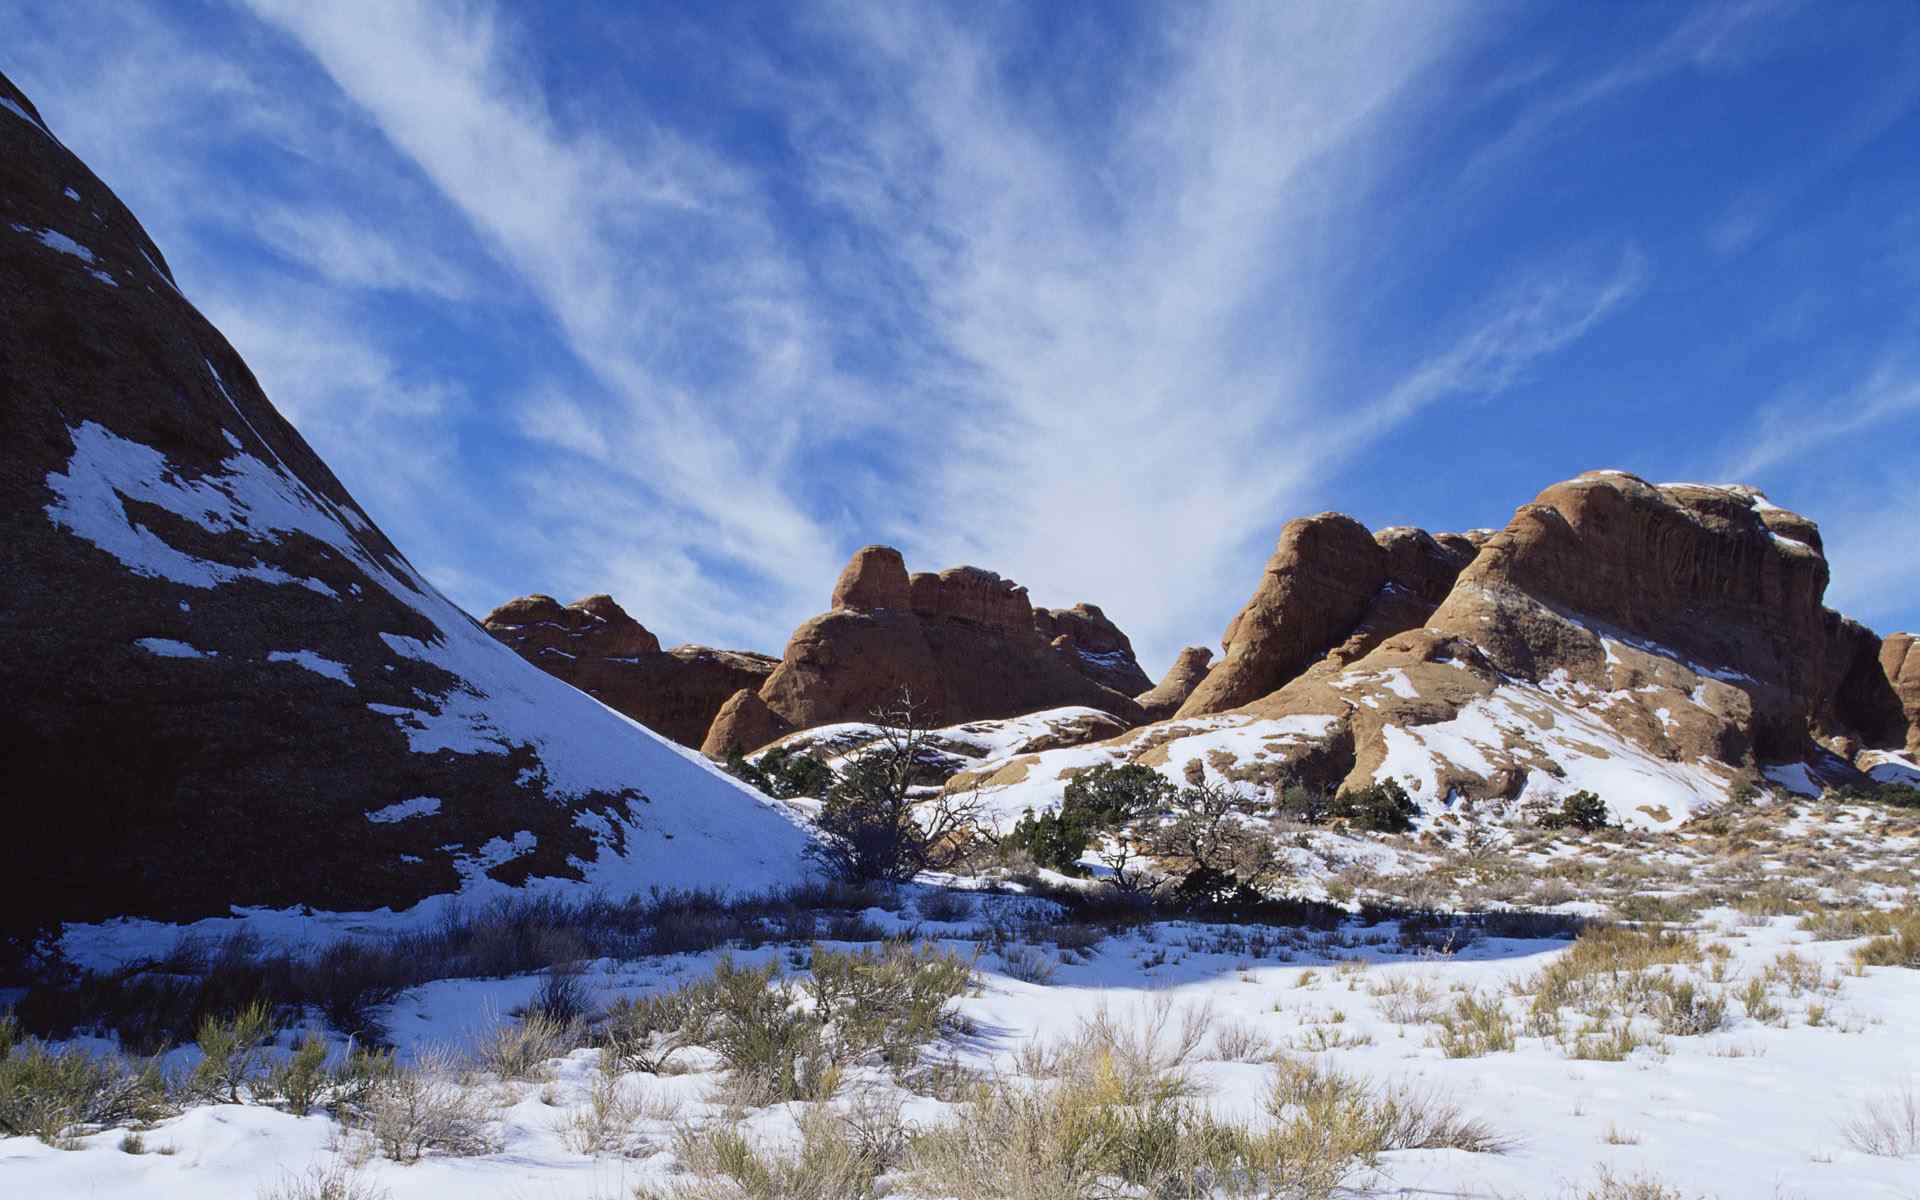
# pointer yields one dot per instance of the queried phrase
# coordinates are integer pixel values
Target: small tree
(1100, 800)
(1580, 810)
(1222, 856)
(872, 825)
(1382, 807)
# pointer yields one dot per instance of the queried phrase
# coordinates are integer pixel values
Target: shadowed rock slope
(225, 685)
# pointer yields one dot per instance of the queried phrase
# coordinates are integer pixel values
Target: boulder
(743, 723)
(227, 686)
(1660, 645)
(1165, 698)
(595, 646)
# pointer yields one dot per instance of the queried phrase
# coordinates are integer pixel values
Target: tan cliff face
(1165, 698)
(965, 642)
(1900, 662)
(1331, 587)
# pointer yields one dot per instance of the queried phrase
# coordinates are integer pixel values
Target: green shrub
(1381, 807)
(782, 773)
(48, 1093)
(300, 1081)
(1898, 947)
(233, 1052)
(886, 1003)
(1580, 810)
(773, 1053)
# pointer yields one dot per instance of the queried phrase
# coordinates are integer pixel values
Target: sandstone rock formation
(225, 685)
(1093, 646)
(1658, 645)
(1165, 698)
(595, 646)
(1900, 660)
(1330, 586)
(966, 643)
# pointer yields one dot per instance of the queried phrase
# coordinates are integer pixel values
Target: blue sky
(686, 302)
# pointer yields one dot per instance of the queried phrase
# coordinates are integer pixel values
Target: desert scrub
(431, 1105)
(884, 1004)
(232, 1053)
(1473, 1027)
(1125, 1127)
(839, 1157)
(1899, 946)
(1590, 972)
(522, 1050)
(51, 1094)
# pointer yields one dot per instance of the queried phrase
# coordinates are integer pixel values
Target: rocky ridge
(1659, 645)
(265, 704)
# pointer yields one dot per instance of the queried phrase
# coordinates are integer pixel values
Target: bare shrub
(522, 1050)
(337, 1180)
(1029, 964)
(1237, 1041)
(946, 906)
(834, 1161)
(427, 1106)
(1887, 1125)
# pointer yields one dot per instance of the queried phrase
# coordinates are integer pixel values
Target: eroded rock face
(966, 643)
(1331, 589)
(595, 646)
(1900, 662)
(1658, 645)
(743, 723)
(1165, 698)
(263, 703)
(1092, 645)
(876, 577)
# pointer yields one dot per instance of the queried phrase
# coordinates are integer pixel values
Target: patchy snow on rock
(316, 663)
(1794, 777)
(22, 113)
(1891, 766)
(1568, 750)
(686, 824)
(419, 806)
(169, 648)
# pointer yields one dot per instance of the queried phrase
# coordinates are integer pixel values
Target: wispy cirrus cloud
(1103, 310)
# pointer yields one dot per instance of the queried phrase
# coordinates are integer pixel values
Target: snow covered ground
(1753, 1110)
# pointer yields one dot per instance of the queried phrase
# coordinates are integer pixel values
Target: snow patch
(169, 648)
(419, 806)
(318, 664)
